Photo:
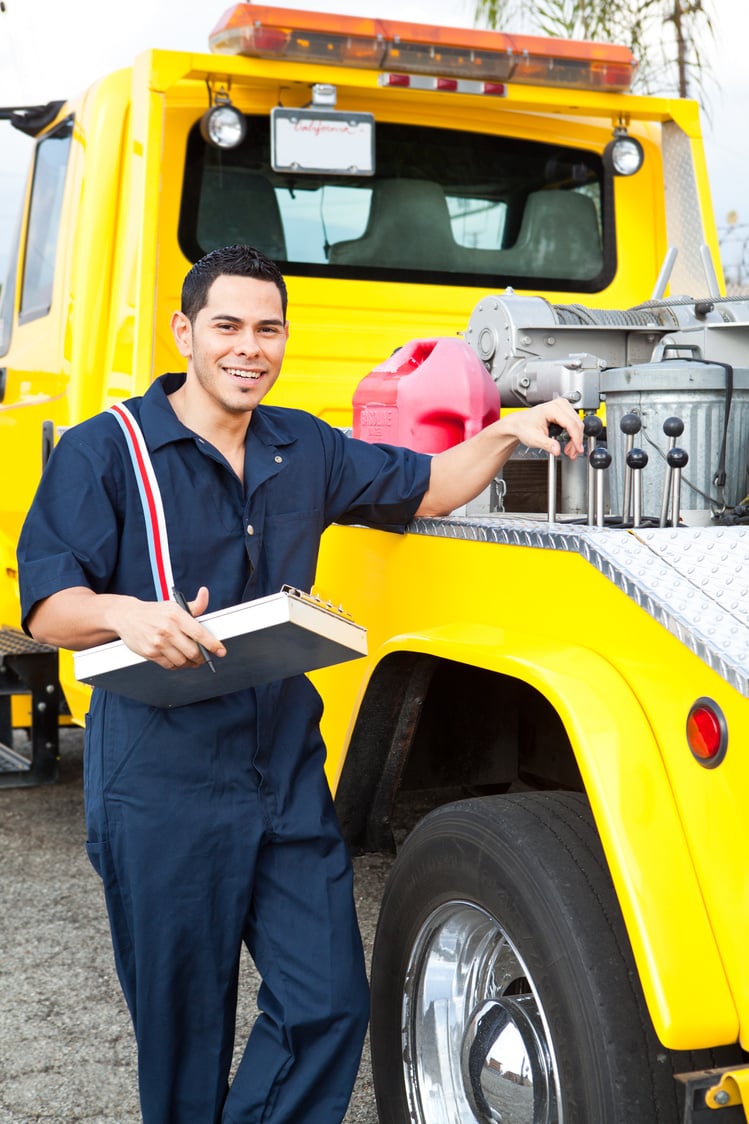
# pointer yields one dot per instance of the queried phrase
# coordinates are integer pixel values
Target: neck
(226, 431)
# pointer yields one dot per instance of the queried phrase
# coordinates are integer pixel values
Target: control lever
(592, 429)
(599, 460)
(551, 479)
(637, 459)
(629, 425)
(677, 460)
(673, 428)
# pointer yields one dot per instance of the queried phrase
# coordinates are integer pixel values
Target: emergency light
(421, 49)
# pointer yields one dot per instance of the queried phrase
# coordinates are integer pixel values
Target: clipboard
(286, 634)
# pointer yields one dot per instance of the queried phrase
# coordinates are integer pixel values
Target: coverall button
(278, 460)
(250, 529)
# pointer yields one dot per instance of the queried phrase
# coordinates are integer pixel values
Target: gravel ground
(66, 1049)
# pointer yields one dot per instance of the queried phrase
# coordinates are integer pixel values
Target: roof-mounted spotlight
(623, 156)
(223, 125)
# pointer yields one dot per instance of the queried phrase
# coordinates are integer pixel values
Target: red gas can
(429, 395)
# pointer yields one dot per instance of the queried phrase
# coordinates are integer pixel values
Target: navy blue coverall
(212, 824)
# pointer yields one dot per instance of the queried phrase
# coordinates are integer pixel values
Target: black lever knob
(592, 425)
(637, 459)
(600, 457)
(631, 424)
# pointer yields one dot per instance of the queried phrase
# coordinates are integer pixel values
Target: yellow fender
(634, 810)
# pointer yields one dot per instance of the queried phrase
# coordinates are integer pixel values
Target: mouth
(243, 374)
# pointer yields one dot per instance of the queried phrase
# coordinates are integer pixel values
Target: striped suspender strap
(150, 498)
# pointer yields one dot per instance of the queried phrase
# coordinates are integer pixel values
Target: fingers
(200, 604)
(198, 636)
(539, 426)
(163, 632)
(558, 415)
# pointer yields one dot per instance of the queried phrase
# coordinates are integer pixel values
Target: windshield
(444, 207)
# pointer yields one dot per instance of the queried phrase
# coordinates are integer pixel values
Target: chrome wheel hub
(476, 1044)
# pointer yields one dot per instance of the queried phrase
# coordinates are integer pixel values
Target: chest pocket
(289, 549)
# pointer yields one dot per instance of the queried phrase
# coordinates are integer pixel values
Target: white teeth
(238, 373)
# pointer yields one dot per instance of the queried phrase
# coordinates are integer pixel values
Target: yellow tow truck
(558, 675)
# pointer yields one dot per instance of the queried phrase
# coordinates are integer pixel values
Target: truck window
(7, 296)
(444, 206)
(42, 230)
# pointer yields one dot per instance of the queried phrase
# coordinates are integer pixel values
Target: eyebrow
(240, 320)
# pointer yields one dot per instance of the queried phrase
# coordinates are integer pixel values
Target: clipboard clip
(317, 601)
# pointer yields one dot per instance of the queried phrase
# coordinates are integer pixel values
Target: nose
(246, 343)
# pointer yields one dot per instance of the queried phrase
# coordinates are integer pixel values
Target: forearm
(460, 473)
(78, 618)
(157, 630)
(463, 471)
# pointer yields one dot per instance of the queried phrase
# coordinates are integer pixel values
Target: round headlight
(223, 126)
(623, 156)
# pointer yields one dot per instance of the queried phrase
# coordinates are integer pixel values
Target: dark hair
(233, 261)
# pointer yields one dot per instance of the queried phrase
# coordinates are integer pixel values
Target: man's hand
(531, 427)
(163, 632)
(78, 618)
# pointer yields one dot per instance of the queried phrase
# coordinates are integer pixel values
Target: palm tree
(669, 63)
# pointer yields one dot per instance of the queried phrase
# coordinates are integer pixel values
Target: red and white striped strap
(150, 498)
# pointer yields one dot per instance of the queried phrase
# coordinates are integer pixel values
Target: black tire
(515, 884)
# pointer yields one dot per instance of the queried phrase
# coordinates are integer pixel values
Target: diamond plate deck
(693, 581)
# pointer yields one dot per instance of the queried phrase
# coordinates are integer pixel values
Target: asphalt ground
(66, 1046)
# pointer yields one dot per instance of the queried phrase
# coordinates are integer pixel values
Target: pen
(178, 597)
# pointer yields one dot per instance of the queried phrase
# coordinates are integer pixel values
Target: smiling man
(211, 824)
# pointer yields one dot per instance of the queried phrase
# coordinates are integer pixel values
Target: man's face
(236, 345)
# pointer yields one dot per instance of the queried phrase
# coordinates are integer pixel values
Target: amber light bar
(412, 48)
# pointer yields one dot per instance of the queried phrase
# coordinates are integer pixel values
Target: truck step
(29, 668)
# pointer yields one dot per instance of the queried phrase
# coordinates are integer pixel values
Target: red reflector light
(449, 84)
(707, 732)
(396, 80)
(495, 89)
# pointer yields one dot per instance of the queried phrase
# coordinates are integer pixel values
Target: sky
(54, 49)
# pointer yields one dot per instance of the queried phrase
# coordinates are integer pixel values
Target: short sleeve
(377, 485)
(70, 535)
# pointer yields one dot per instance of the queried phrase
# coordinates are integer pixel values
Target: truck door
(32, 386)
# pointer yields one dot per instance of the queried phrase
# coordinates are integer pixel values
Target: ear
(182, 332)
